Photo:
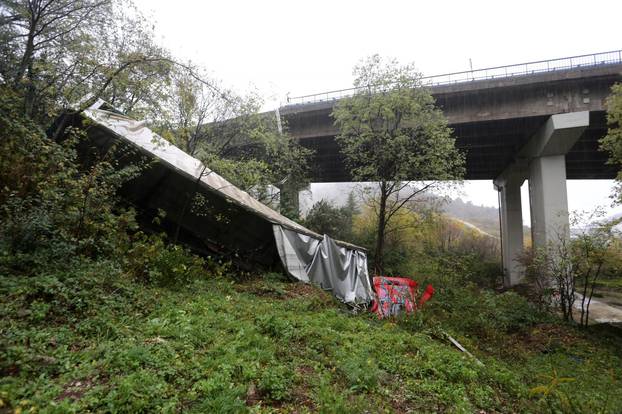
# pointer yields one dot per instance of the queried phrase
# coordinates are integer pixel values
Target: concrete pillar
(543, 160)
(511, 218)
(548, 200)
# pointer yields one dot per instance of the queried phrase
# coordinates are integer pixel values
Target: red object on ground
(397, 294)
(427, 295)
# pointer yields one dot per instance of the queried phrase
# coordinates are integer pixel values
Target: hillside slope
(267, 345)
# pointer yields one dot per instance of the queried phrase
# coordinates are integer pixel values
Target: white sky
(303, 47)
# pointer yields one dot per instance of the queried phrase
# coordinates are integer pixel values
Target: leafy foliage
(50, 207)
(419, 240)
(226, 131)
(612, 142)
(62, 55)
(567, 271)
(217, 346)
(391, 130)
(151, 260)
(56, 52)
(54, 210)
(98, 316)
(337, 222)
(82, 335)
(392, 133)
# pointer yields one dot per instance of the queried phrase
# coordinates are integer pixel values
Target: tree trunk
(382, 223)
(29, 50)
(26, 58)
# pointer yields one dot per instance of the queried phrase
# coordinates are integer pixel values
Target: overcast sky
(303, 47)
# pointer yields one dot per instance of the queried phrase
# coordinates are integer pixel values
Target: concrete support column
(548, 200)
(543, 160)
(511, 217)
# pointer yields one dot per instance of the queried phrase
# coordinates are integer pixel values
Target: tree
(326, 218)
(53, 53)
(590, 254)
(566, 272)
(392, 133)
(53, 205)
(227, 132)
(351, 208)
(202, 117)
(612, 142)
(40, 39)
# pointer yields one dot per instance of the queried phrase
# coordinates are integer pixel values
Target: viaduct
(537, 121)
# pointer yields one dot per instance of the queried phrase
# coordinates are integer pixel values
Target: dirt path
(600, 312)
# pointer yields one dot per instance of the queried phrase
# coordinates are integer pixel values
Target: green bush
(359, 369)
(65, 295)
(510, 312)
(52, 207)
(151, 260)
(484, 313)
(275, 382)
(326, 218)
(58, 209)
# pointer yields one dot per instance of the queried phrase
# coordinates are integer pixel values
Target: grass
(94, 341)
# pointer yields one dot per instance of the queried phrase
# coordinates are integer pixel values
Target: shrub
(325, 218)
(484, 313)
(151, 260)
(359, 369)
(275, 382)
(51, 206)
(140, 391)
(275, 327)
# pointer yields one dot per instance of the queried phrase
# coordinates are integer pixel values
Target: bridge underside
(489, 146)
(543, 127)
(546, 150)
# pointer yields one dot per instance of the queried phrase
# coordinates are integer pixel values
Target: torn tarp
(230, 221)
(323, 262)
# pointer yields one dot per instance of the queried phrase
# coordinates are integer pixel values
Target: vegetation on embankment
(98, 316)
(93, 339)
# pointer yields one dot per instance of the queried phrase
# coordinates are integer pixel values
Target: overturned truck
(230, 221)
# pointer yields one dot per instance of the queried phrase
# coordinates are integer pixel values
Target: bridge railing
(521, 69)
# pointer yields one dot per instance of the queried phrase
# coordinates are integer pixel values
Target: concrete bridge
(539, 121)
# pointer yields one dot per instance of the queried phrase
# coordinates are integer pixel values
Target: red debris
(395, 295)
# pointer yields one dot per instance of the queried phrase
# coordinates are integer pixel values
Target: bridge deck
(492, 119)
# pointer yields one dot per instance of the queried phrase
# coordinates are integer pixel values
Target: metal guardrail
(521, 69)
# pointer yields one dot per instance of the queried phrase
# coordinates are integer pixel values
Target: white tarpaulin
(335, 268)
(307, 256)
